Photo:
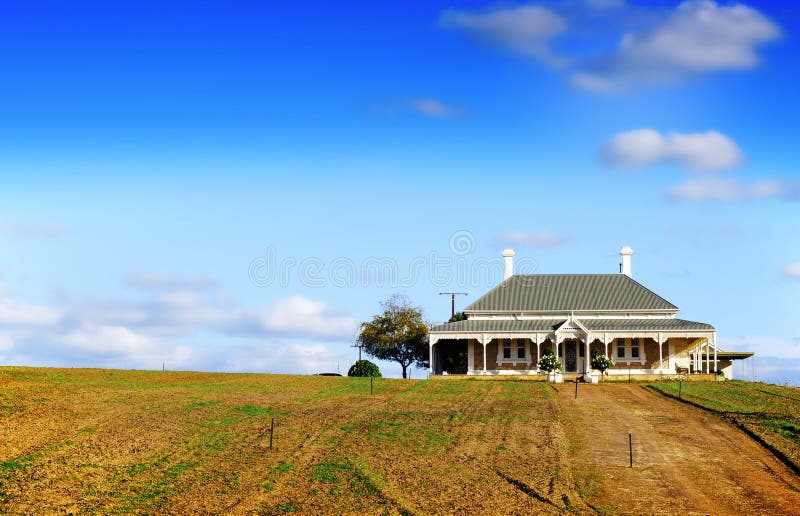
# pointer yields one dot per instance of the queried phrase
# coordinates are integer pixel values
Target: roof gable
(568, 292)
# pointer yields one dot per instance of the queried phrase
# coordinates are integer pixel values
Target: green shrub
(364, 368)
(601, 362)
(549, 362)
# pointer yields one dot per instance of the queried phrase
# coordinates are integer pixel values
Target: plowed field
(111, 441)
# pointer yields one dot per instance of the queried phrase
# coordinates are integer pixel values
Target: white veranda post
(714, 341)
(660, 352)
(588, 367)
(483, 341)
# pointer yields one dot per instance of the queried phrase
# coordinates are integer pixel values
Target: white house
(508, 328)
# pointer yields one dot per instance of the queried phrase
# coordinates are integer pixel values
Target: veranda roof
(593, 325)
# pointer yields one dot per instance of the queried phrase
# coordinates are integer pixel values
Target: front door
(570, 356)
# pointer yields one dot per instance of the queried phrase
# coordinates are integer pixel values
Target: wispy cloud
(295, 316)
(792, 270)
(32, 229)
(647, 147)
(729, 189)
(433, 108)
(16, 313)
(605, 4)
(699, 36)
(531, 239)
(526, 29)
(157, 281)
(696, 37)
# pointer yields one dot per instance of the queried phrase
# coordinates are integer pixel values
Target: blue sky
(154, 156)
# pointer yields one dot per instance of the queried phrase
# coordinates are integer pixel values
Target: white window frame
(629, 358)
(515, 344)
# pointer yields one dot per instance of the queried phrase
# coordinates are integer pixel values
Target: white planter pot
(592, 377)
(555, 377)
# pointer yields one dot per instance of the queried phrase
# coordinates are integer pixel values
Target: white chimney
(625, 267)
(508, 256)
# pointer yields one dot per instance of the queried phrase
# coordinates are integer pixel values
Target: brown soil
(685, 460)
(93, 441)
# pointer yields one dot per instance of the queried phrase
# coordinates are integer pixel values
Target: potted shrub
(549, 363)
(601, 363)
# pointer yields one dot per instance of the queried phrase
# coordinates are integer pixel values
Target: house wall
(648, 355)
(491, 356)
(477, 354)
(682, 348)
(648, 349)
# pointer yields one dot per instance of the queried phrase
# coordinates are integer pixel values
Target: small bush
(364, 368)
(601, 362)
(549, 362)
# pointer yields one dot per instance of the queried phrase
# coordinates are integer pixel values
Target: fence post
(576, 388)
(630, 447)
(271, 432)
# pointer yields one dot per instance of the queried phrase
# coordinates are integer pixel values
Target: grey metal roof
(500, 325)
(567, 292)
(593, 325)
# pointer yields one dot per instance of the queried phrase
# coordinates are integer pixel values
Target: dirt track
(685, 460)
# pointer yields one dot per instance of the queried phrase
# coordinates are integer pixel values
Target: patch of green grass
(329, 472)
(456, 417)
(252, 410)
(348, 427)
(389, 429)
(788, 429)
(201, 404)
(282, 467)
(436, 439)
(346, 474)
(288, 507)
(149, 494)
(20, 463)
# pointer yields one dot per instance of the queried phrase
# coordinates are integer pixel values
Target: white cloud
(730, 189)
(647, 147)
(531, 238)
(108, 340)
(156, 281)
(792, 270)
(184, 329)
(304, 317)
(19, 313)
(699, 36)
(526, 29)
(433, 108)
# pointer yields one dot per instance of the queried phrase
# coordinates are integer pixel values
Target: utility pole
(359, 346)
(452, 300)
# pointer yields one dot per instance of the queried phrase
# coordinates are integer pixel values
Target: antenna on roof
(452, 300)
